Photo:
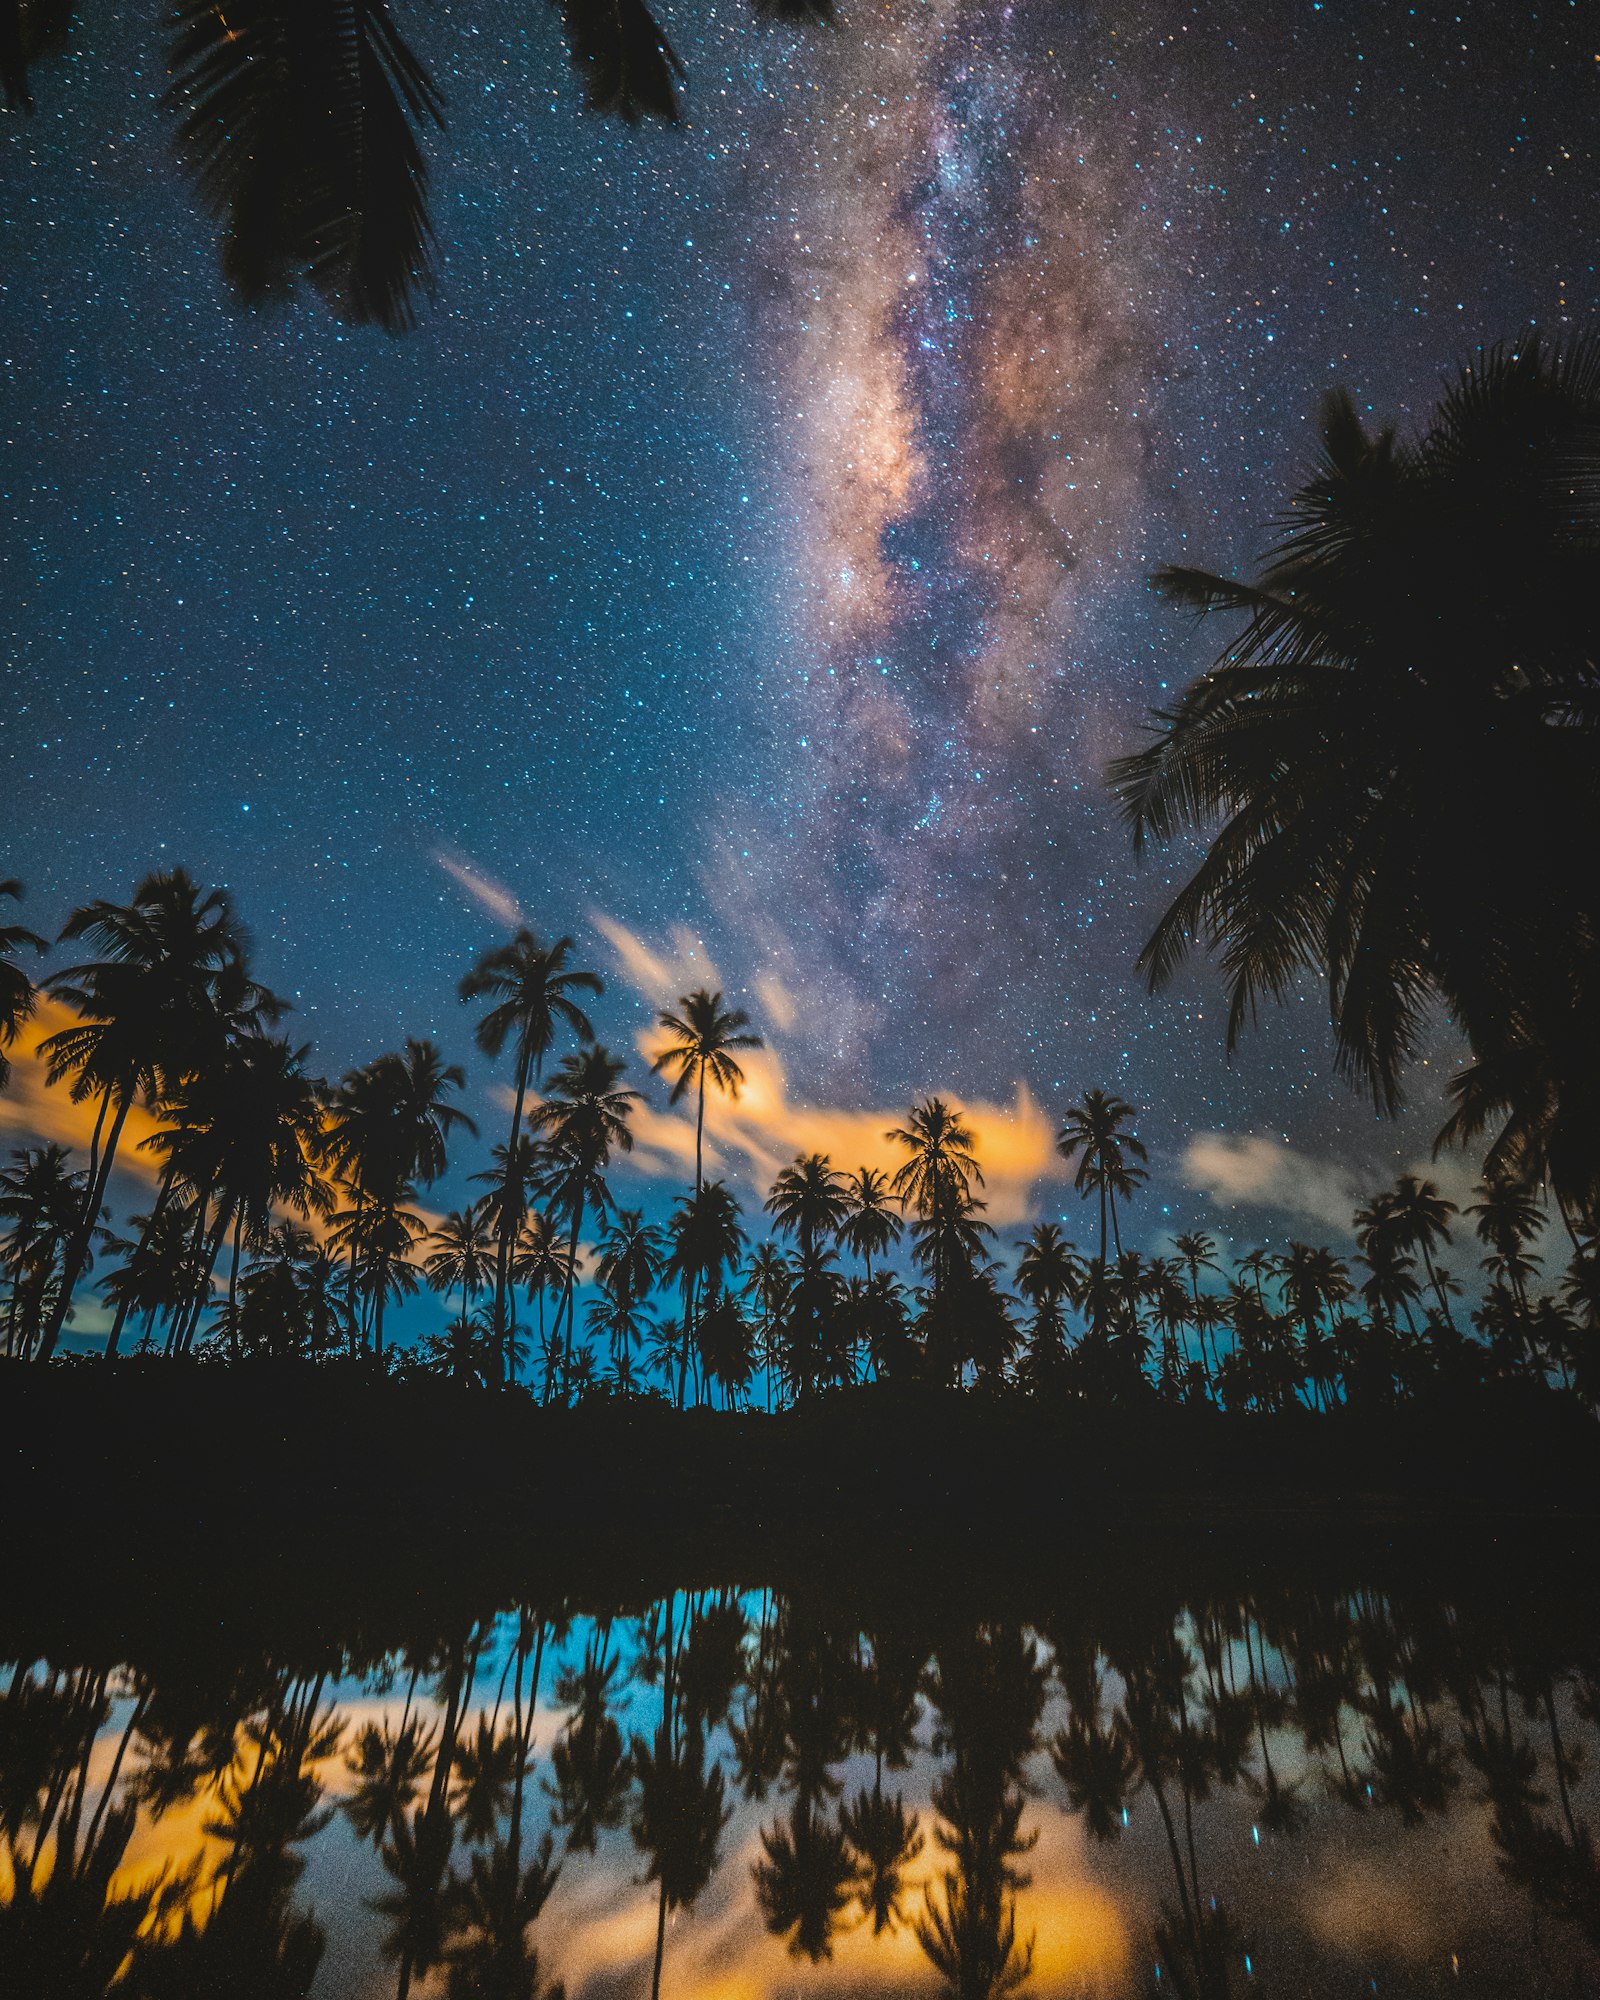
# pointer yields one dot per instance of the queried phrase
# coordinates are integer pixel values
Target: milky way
(753, 536)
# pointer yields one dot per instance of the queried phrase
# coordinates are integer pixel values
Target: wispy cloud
(1249, 1171)
(483, 890)
(751, 1137)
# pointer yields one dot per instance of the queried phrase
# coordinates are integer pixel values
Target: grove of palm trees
(282, 1223)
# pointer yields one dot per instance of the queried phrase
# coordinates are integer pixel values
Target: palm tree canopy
(704, 1035)
(942, 1161)
(390, 1121)
(586, 1114)
(1398, 749)
(809, 1201)
(532, 989)
(169, 983)
(1096, 1135)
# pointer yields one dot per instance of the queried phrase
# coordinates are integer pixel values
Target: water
(1270, 1785)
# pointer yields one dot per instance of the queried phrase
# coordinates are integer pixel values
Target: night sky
(750, 543)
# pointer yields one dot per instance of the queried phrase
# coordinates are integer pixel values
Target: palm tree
(1384, 685)
(586, 1117)
(16, 988)
(1419, 1218)
(1049, 1276)
(532, 988)
(704, 1036)
(706, 1245)
(768, 1282)
(387, 1127)
(517, 1170)
(870, 1225)
(1199, 1253)
(540, 1263)
(1509, 1219)
(809, 1202)
(1096, 1135)
(245, 1136)
(156, 1005)
(41, 1202)
(936, 1180)
(462, 1254)
(804, 1880)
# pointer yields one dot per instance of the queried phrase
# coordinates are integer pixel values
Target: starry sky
(743, 563)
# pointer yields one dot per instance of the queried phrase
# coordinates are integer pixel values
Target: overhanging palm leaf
(299, 122)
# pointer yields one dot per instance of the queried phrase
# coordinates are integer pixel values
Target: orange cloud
(756, 1134)
(33, 1111)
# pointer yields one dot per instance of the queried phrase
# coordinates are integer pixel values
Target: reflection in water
(737, 1793)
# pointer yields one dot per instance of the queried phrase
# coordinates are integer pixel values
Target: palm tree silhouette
(41, 1199)
(1096, 1135)
(463, 1254)
(936, 1179)
(586, 1116)
(532, 988)
(1383, 685)
(388, 1127)
(804, 1880)
(870, 1225)
(16, 988)
(705, 1034)
(159, 1001)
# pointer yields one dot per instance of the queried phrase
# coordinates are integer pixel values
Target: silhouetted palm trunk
(78, 1245)
(152, 1222)
(661, 1905)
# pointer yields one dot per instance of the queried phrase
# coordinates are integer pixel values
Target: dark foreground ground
(201, 1497)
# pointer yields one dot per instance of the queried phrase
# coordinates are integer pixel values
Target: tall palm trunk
(233, 1286)
(502, 1260)
(152, 1223)
(78, 1245)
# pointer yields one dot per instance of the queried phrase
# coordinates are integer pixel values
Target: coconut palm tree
(540, 1263)
(1108, 1154)
(1199, 1253)
(1418, 1219)
(16, 988)
(463, 1253)
(704, 1035)
(707, 1242)
(245, 1136)
(936, 1180)
(517, 1170)
(41, 1204)
(870, 1225)
(169, 986)
(1385, 682)
(1049, 1277)
(532, 987)
(387, 1128)
(1509, 1218)
(586, 1117)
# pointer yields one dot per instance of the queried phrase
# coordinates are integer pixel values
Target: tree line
(1298, 1699)
(283, 1219)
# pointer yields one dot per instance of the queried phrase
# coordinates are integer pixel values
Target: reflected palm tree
(885, 1839)
(804, 1880)
(489, 1955)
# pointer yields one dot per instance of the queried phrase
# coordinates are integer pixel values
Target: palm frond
(299, 121)
(630, 69)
